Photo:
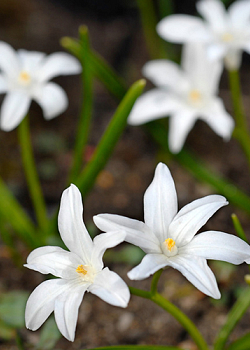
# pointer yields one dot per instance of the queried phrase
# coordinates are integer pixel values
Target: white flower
(186, 94)
(79, 270)
(226, 33)
(168, 238)
(25, 76)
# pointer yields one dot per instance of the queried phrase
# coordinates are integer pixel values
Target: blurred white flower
(168, 238)
(80, 270)
(185, 94)
(226, 33)
(24, 76)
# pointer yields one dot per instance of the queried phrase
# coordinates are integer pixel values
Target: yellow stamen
(227, 37)
(80, 269)
(170, 243)
(195, 95)
(24, 77)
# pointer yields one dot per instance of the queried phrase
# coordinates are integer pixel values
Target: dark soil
(115, 32)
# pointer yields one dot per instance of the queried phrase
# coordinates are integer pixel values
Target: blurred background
(116, 34)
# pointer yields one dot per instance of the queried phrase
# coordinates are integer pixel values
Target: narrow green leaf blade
(241, 343)
(12, 306)
(139, 347)
(109, 139)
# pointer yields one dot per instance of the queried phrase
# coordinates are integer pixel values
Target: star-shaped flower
(226, 33)
(185, 94)
(25, 76)
(169, 238)
(79, 270)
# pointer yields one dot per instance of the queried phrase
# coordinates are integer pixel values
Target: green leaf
(235, 314)
(109, 139)
(6, 332)
(138, 347)
(49, 335)
(12, 306)
(241, 343)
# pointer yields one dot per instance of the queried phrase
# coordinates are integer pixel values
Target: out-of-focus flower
(168, 238)
(226, 33)
(80, 270)
(185, 94)
(25, 76)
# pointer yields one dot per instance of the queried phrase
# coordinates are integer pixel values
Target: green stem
(31, 174)
(155, 280)
(235, 314)
(241, 129)
(86, 109)
(238, 228)
(175, 312)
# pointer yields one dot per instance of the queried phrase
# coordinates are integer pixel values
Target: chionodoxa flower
(169, 238)
(79, 270)
(185, 93)
(226, 33)
(25, 76)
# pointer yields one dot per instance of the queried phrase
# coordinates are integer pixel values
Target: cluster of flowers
(167, 237)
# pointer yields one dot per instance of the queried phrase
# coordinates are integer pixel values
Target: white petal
(183, 28)
(203, 73)
(153, 104)
(54, 260)
(160, 202)
(165, 73)
(216, 51)
(71, 225)
(30, 60)
(137, 232)
(9, 63)
(148, 266)
(111, 288)
(239, 12)
(213, 11)
(218, 246)
(103, 242)
(53, 100)
(233, 58)
(41, 302)
(196, 270)
(179, 126)
(14, 108)
(66, 310)
(59, 63)
(218, 119)
(193, 216)
(3, 84)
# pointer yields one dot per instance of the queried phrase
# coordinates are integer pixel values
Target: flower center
(24, 78)
(169, 247)
(87, 273)
(227, 37)
(195, 97)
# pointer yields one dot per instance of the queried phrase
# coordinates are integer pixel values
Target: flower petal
(53, 100)
(165, 73)
(137, 232)
(111, 288)
(153, 104)
(71, 225)
(179, 126)
(218, 246)
(54, 260)
(183, 28)
(9, 63)
(41, 302)
(218, 119)
(3, 84)
(239, 12)
(193, 216)
(59, 63)
(30, 60)
(148, 266)
(66, 310)
(14, 108)
(213, 11)
(103, 242)
(160, 202)
(196, 270)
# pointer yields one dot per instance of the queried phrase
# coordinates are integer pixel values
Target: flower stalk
(31, 174)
